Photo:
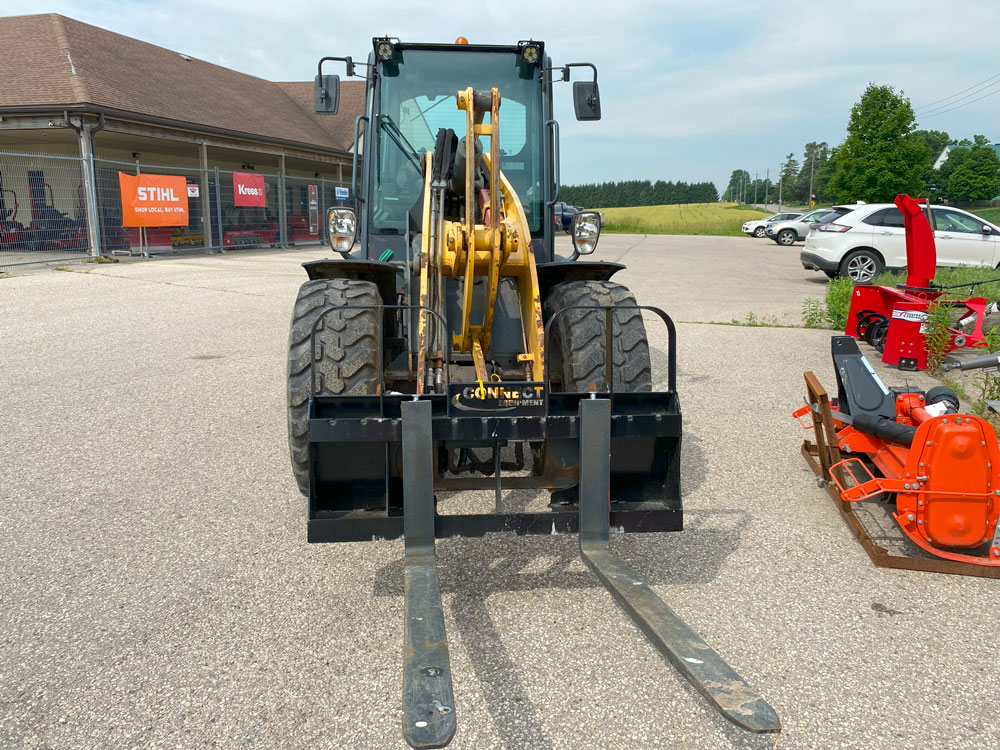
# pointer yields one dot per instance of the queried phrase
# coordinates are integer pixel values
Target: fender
(550, 274)
(382, 274)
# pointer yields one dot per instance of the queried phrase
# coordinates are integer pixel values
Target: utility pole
(781, 181)
(812, 166)
(755, 189)
(767, 184)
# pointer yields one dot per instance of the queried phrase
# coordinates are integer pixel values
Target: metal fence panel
(42, 209)
(43, 214)
(116, 239)
(302, 210)
(244, 227)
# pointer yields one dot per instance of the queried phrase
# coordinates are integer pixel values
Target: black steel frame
(376, 420)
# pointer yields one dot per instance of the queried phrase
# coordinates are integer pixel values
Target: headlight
(342, 228)
(586, 231)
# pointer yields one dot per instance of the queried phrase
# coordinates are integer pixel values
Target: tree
(789, 171)
(638, 193)
(814, 156)
(971, 174)
(934, 140)
(825, 171)
(881, 156)
(736, 187)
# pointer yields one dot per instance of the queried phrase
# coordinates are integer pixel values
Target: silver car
(756, 226)
(787, 233)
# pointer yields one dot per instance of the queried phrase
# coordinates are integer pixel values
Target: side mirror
(987, 229)
(587, 100)
(326, 95)
(586, 231)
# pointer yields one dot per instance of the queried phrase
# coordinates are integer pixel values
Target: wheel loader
(451, 348)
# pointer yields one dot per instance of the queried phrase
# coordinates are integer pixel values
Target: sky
(690, 89)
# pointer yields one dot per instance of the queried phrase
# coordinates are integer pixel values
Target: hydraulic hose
(886, 429)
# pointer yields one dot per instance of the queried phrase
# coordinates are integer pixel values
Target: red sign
(153, 200)
(248, 189)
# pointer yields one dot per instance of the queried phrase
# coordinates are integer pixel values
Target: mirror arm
(564, 70)
(349, 62)
(580, 65)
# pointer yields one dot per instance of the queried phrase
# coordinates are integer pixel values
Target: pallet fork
(428, 701)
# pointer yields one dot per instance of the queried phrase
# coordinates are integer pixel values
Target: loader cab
(411, 95)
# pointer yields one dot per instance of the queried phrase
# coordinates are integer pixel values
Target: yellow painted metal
(497, 249)
(493, 277)
(479, 361)
(425, 271)
(467, 101)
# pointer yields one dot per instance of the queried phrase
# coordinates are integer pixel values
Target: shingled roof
(56, 62)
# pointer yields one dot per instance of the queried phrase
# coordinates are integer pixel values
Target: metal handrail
(553, 126)
(608, 354)
(608, 328)
(354, 160)
(381, 363)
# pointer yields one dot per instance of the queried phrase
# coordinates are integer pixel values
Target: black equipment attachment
(621, 451)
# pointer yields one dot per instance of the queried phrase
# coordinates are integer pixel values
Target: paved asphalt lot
(157, 589)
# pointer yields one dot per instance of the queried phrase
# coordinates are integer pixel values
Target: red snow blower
(893, 320)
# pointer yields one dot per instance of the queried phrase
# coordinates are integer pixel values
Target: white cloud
(690, 90)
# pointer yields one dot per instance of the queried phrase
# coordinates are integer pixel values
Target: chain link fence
(43, 210)
(43, 215)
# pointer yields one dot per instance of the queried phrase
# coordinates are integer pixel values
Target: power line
(931, 104)
(959, 106)
(935, 110)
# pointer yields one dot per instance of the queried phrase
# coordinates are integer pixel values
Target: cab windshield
(417, 98)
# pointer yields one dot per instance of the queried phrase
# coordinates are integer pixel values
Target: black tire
(861, 266)
(786, 237)
(942, 393)
(758, 232)
(346, 354)
(577, 341)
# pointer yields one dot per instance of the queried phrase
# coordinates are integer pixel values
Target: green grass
(688, 218)
(951, 277)
(990, 214)
(832, 311)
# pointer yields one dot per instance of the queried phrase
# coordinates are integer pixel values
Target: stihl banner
(153, 200)
(248, 189)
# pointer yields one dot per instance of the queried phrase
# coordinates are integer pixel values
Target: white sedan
(871, 239)
(756, 227)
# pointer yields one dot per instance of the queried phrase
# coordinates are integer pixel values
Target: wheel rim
(861, 268)
(758, 232)
(785, 238)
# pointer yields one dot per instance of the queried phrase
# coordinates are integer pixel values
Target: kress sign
(249, 190)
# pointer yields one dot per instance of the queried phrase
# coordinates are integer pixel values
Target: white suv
(756, 227)
(869, 240)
